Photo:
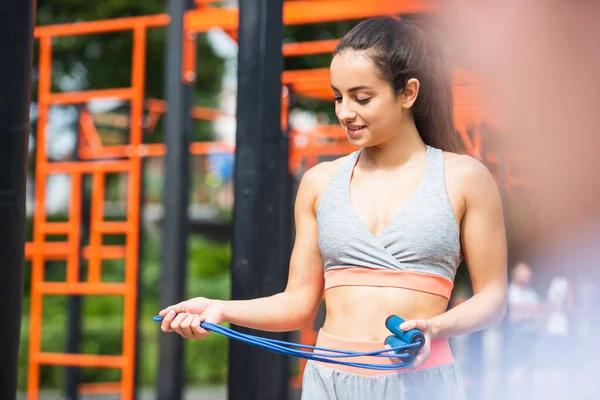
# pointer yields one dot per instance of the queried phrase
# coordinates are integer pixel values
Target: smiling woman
(368, 65)
(383, 230)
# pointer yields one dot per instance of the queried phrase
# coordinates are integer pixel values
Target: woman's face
(364, 102)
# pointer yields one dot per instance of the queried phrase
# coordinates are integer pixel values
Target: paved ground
(192, 394)
(219, 393)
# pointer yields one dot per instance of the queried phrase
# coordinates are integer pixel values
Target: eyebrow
(354, 89)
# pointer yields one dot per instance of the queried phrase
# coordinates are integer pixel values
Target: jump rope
(405, 345)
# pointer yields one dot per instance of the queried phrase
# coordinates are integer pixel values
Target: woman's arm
(483, 240)
(290, 310)
(297, 306)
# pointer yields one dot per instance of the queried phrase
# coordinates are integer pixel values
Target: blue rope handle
(401, 348)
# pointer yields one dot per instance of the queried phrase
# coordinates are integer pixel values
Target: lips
(355, 130)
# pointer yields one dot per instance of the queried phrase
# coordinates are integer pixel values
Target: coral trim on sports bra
(361, 276)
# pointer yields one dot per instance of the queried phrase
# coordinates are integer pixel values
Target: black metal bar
(75, 302)
(72, 347)
(16, 23)
(262, 195)
(176, 188)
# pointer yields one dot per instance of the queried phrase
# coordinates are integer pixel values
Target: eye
(363, 101)
(337, 99)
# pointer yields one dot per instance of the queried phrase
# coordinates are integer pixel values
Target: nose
(345, 112)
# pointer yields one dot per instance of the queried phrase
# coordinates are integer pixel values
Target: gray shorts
(443, 382)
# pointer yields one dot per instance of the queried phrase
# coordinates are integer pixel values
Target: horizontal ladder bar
(80, 360)
(83, 288)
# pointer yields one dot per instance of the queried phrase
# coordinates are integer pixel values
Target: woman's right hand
(185, 317)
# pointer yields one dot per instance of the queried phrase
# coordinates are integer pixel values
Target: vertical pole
(175, 221)
(75, 301)
(262, 195)
(16, 22)
(138, 334)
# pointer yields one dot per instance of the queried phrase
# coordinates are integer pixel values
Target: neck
(402, 148)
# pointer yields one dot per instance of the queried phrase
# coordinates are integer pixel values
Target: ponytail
(433, 111)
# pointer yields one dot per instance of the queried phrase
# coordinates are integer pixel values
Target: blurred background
(526, 96)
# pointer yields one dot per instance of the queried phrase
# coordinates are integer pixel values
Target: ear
(409, 93)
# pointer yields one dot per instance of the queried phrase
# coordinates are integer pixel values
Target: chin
(359, 142)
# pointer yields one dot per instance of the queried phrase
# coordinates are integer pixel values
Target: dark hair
(401, 51)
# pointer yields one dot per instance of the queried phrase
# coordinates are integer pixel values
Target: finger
(419, 324)
(198, 331)
(176, 324)
(179, 307)
(392, 355)
(163, 313)
(186, 326)
(420, 359)
(204, 318)
(165, 326)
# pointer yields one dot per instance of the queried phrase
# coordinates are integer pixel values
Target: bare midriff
(359, 312)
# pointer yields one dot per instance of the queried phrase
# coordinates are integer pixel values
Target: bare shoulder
(316, 179)
(465, 167)
(469, 175)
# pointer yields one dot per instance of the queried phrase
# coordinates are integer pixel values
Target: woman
(383, 230)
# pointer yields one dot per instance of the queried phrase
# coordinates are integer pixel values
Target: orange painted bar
(153, 150)
(132, 225)
(96, 220)
(80, 360)
(39, 217)
(56, 228)
(88, 95)
(188, 72)
(207, 114)
(103, 152)
(308, 48)
(113, 228)
(103, 26)
(87, 167)
(306, 12)
(53, 251)
(88, 129)
(202, 148)
(106, 252)
(74, 238)
(198, 112)
(82, 288)
(48, 251)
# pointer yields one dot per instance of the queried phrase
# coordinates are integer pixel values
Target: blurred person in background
(524, 313)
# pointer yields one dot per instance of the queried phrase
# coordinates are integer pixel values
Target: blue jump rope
(405, 345)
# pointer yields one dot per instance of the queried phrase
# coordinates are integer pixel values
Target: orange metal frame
(325, 140)
(39, 251)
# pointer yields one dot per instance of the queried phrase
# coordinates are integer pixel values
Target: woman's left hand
(423, 354)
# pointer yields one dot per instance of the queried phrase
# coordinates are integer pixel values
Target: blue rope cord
(322, 354)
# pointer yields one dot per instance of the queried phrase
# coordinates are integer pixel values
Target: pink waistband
(361, 276)
(440, 354)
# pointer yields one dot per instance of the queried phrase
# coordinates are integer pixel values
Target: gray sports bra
(419, 249)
